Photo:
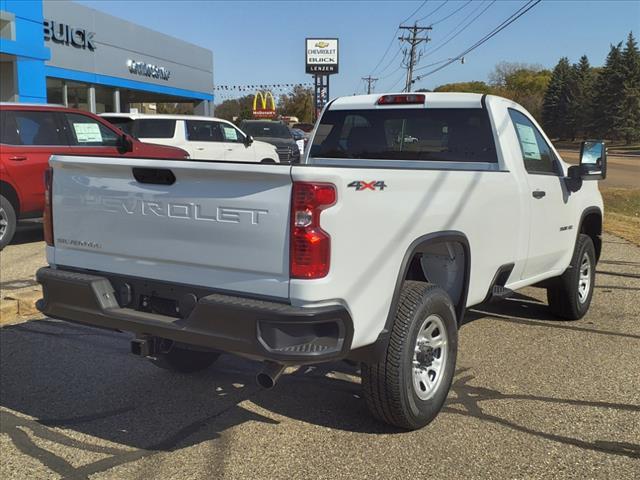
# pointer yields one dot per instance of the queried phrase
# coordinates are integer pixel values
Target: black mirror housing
(248, 140)
(573, 180)
(125, 144)
(593, 160)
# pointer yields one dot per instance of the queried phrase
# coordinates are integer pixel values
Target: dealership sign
(67, 35)
(148, 70)
(321, 56)
(262, 109)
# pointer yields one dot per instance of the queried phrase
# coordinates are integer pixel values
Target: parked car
(301, 139)
(30, 133)
(205, 138)
(305, 127)
(371, 251)
(277, 134)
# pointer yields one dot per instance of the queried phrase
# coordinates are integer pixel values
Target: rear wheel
(569, 296)
(409, 386)
(183, 360)
(7, 222)
(267, 160)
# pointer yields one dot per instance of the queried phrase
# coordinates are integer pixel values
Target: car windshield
(266, 129)
(436, 134)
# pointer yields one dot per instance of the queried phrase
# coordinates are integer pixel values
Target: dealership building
(54, 51)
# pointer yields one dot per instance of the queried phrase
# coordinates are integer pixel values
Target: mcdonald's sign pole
(321, 60)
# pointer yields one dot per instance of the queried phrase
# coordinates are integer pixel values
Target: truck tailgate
(217, 225)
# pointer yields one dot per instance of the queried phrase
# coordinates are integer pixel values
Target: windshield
(438, 134)
(266, 129)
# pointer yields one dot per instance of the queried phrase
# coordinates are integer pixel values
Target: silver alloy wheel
(584, 278)
(429, 357)
(4, 223)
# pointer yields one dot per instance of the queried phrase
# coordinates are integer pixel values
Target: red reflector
(310, 245)
(47, 217)
(402, 99)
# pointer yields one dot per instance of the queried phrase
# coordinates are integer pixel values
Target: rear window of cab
(437, 134)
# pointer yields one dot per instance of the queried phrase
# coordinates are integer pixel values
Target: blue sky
(263, 42)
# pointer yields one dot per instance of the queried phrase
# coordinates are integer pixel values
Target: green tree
(630, 108)
(298, 103)
(608, 101)
(471, 87)
(580, 115)
(555, 106)
(236, 109)
(522, 83)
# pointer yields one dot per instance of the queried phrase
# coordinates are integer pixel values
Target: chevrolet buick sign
(321, 55)
(148, 70)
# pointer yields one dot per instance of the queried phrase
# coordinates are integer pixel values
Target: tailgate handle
(154, 176)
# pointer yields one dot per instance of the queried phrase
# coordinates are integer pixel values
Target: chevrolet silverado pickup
(406, 210)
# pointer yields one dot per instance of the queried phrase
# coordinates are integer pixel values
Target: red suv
(30, 134)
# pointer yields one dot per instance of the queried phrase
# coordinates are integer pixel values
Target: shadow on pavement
(57, 375)
(28, 232)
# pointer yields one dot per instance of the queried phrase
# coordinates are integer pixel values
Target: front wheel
(569, 296)
(409, 386)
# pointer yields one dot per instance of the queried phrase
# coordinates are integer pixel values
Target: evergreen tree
(608, 102)
(555, 107)
(630, 108)
(580, 109)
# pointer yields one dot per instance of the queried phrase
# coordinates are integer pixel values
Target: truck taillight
(47, 217)
(310, 245)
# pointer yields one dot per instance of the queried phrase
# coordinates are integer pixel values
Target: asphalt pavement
(533, 397)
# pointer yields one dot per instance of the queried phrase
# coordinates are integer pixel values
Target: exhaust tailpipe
(270, 374)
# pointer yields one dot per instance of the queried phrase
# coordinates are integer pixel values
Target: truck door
(551, 232)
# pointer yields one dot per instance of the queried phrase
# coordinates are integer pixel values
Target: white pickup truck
(370, 250)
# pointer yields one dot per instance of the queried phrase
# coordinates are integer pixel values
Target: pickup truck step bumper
(258, 329)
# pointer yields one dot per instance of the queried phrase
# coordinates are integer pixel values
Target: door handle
(539, 194)
(18, 158)
(199, 148)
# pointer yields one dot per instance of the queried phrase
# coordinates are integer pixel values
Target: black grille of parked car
(284, 154)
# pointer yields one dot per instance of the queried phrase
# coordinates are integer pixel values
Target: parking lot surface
(533, 397)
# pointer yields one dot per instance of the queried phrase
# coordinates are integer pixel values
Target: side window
(204, 131)
(31, 128)
(536, 153)
(155, 128)
(85, 131)
(231, 134)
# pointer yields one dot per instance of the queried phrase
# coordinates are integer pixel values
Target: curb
(19, 305)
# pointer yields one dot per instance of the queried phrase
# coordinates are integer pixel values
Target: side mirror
(573, 180)
(248, 140)
(593, 160)
(125, 144)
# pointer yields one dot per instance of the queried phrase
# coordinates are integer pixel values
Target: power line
(432, 11)
(370, 82)
(515, 16)
(451, 14)
(393, 38)
(413, 40)
(439, 46)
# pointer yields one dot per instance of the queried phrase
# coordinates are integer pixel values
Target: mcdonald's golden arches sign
(262, 108)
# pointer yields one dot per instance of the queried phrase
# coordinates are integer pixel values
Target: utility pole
(370, 82)
(414, 40)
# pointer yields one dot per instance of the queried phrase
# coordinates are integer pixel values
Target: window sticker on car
(87, 132)
(230, 133)
(528, 141)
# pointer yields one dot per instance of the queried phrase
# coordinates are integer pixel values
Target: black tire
(7, 222)
(183, 360)
(565, 295)
(388, 386)
(268, 160)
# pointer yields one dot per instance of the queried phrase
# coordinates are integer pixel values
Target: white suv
(205, 138)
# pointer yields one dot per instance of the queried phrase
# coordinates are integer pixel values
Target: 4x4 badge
(360, 185)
